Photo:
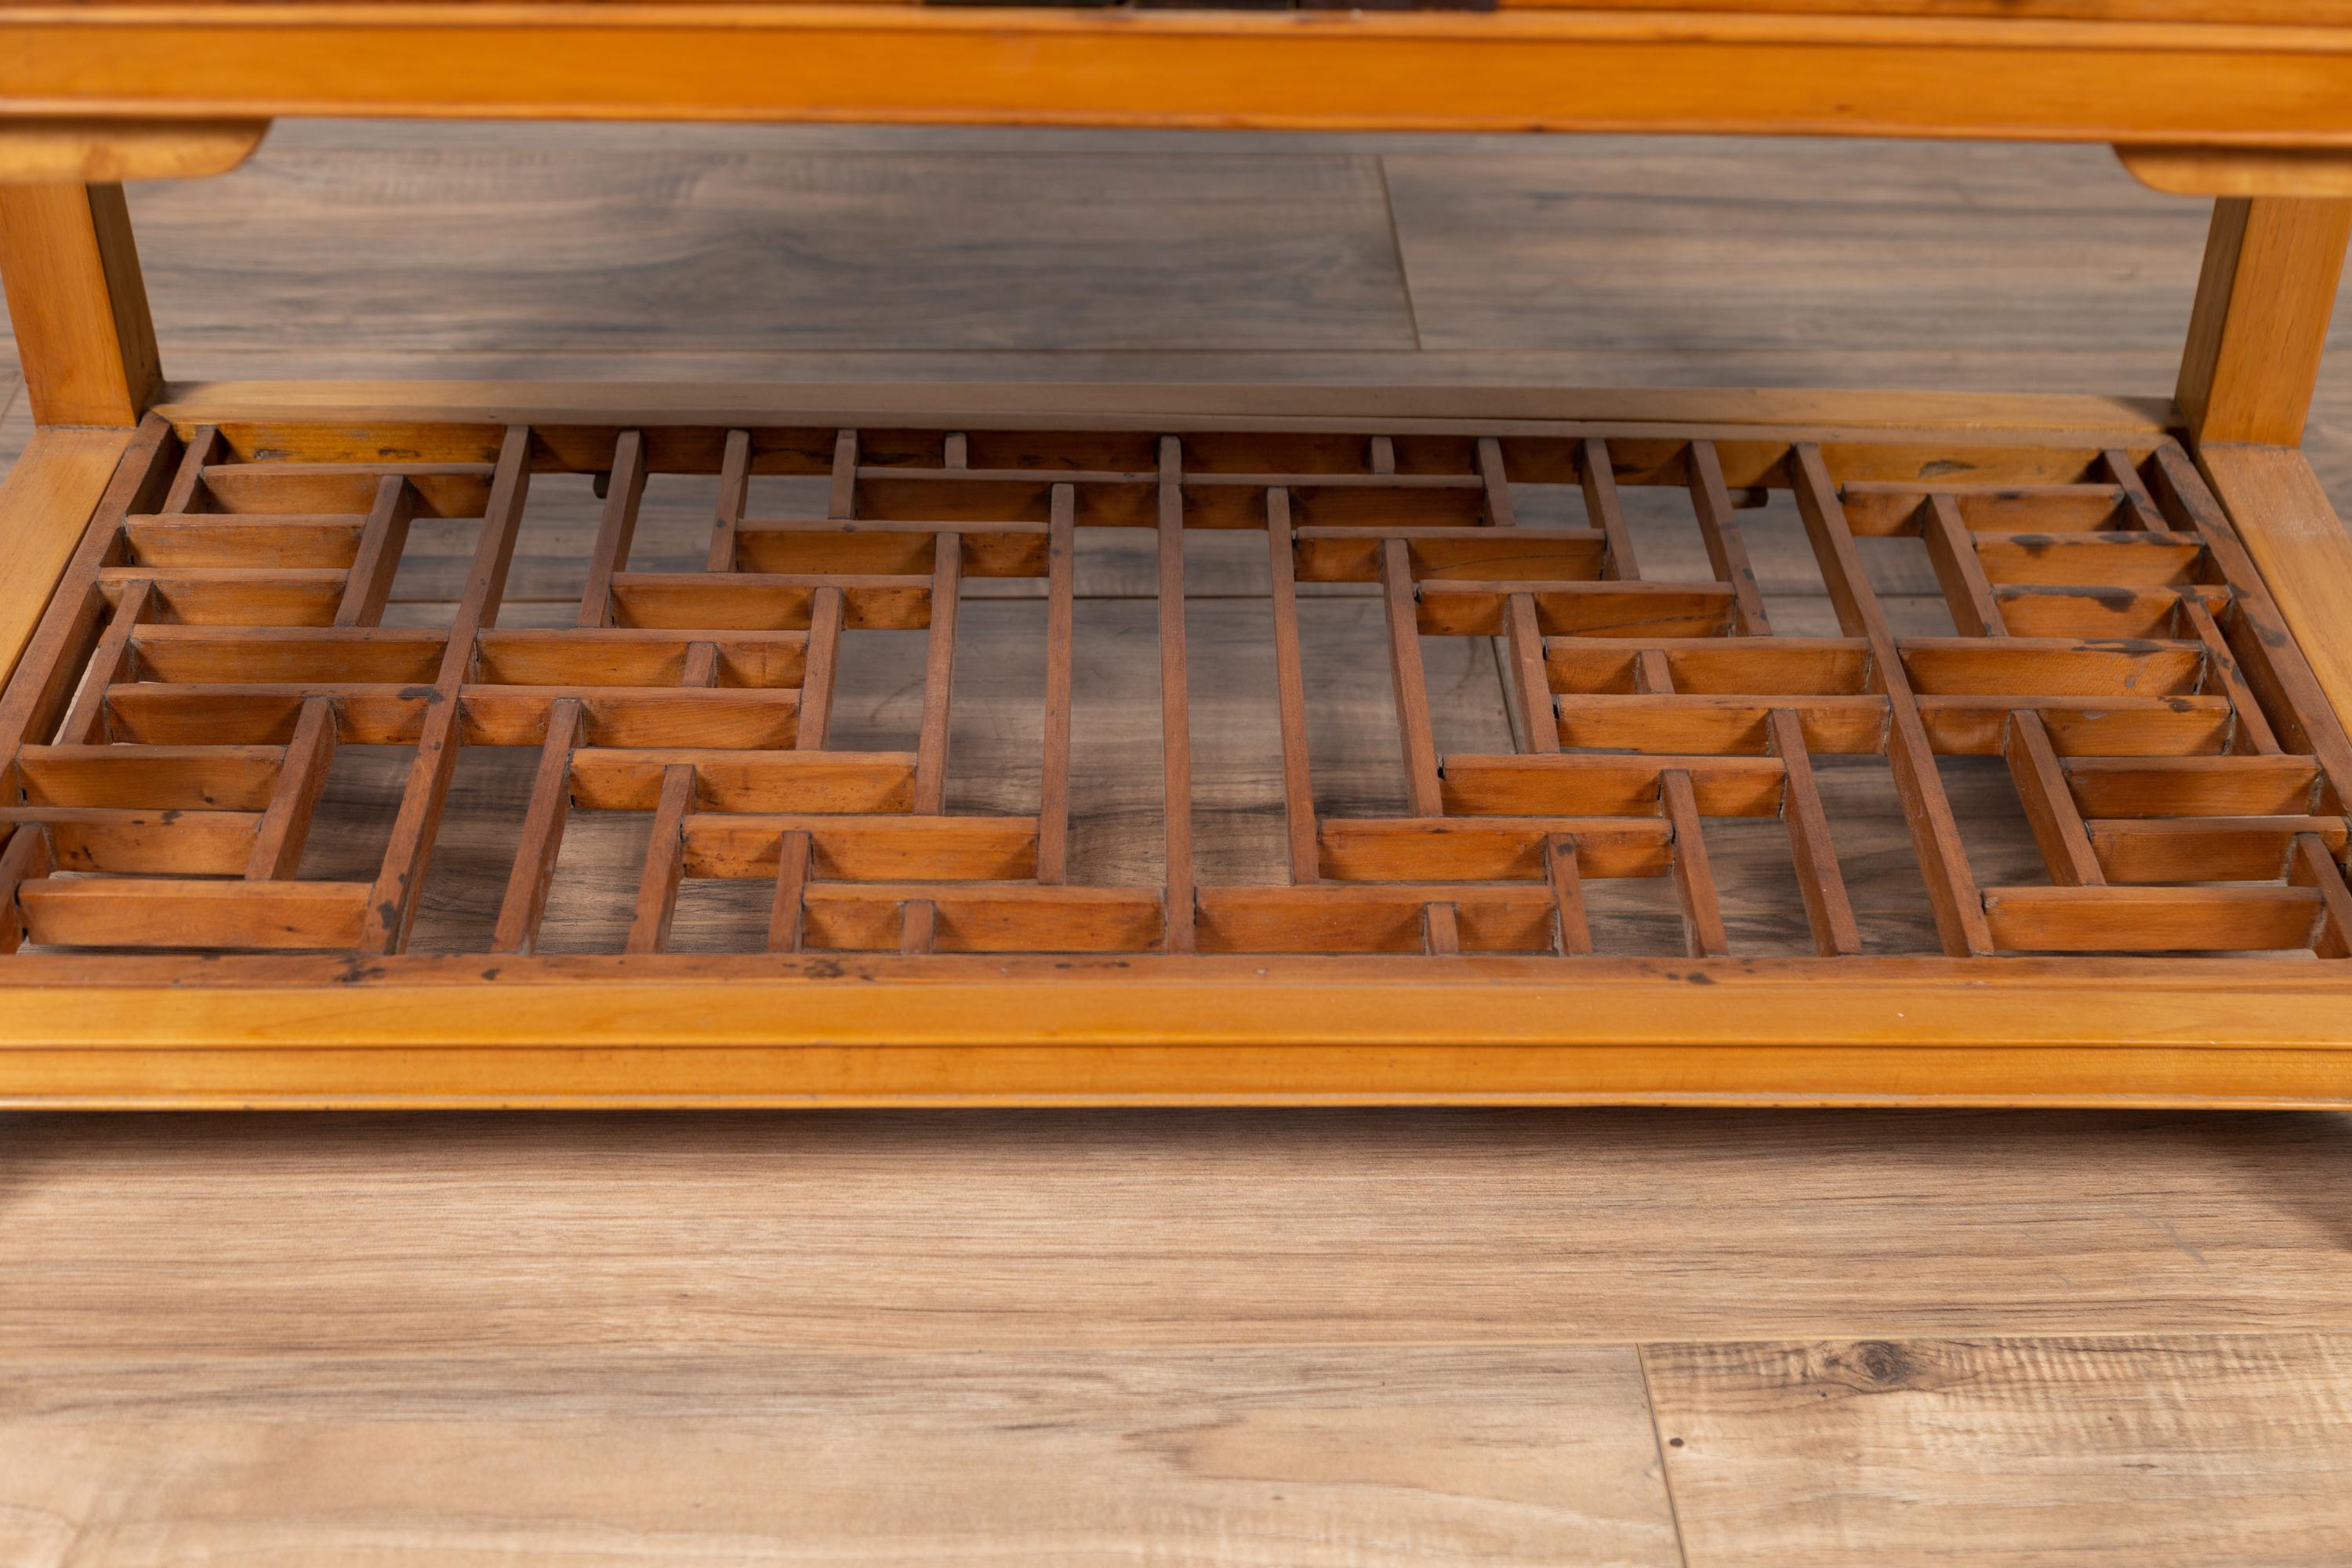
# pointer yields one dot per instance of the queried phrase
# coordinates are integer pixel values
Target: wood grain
(1967, 683)
(61, 147)
(503, 1325)
(1201, 252)
(85, 342)
(2271, 268)
(371, 1236)
(1333, 1458)
(1239, 794)
(2132, 1449)
(2305, 556)
(2124, 79)
(1315, 387)
(2239, 171)
(48, 496)
(1847, 250)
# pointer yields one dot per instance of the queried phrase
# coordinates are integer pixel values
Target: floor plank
(1718, 245)
(346, 1235)
(1321, 1459)
(472, 246)
(2142, 1451)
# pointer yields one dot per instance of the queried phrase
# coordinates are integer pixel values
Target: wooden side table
(2150, 614)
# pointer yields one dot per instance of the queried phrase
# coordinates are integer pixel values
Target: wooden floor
(1247, 1338)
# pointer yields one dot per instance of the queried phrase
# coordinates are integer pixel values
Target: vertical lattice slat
(1061, 630)
(1976, 613)
(1175, 702)
(1821, 883)
(918, 926)
(1597, 475)
(787, 914)
(657, 900)
(203, 449)
(1441, 921)
(1536, 724)
(302, 779)
(938, 675)
(1410, 683)
(107, 664)
(2251, 732)
(734, 495)
(1571, 927)
(1727, 553)
(664, 861)
(377, 560)
(821, 669)
(828, 610)
(1934, 837)
(1703, 933)
(624, 492)
(1290, 690)
(842, 501)
(2049, 802)
(931, 743)
(541, 837)
(391, 902)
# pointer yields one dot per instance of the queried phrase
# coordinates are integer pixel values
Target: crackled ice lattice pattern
(2091, 638)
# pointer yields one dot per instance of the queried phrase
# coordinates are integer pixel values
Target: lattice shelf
(2095, 633)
